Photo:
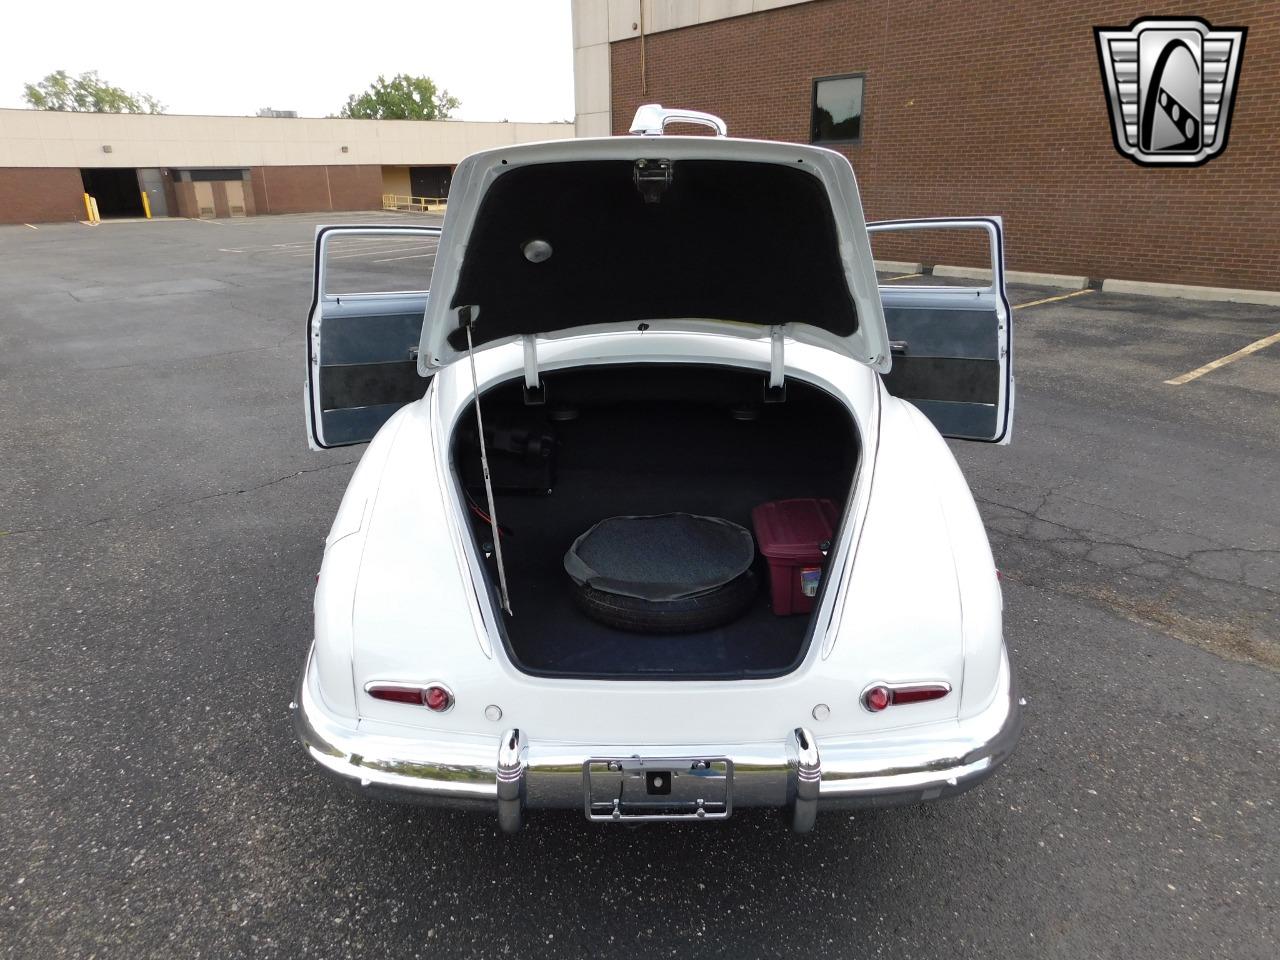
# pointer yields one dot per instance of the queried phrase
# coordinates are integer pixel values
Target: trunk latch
(652, 178)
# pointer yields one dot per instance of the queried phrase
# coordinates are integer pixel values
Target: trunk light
(435, 697)
(878, 696)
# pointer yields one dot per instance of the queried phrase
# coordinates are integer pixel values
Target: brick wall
(356, 188)
(996, 108)
(40, 194)
(310, 189)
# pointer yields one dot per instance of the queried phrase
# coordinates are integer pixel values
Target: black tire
(715, 608)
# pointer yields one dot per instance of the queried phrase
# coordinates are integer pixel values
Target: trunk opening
(638, 440)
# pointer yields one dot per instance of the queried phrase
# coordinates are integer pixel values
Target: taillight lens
(921, 693)
(881, 695)
(396, 693)
(436, 697)
(877, 698)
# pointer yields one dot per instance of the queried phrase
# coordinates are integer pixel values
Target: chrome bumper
(800, 773)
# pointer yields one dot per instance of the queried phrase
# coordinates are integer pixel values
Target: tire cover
(665, 557)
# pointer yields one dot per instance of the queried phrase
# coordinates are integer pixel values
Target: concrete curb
(1187, 291)
(896, 266)
(1032, 278)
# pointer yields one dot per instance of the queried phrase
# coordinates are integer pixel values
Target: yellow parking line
(1223, 361)
(1061, 296)
(905, 276)
(31, 225)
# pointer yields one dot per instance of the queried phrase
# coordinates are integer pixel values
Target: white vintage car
(679, 331)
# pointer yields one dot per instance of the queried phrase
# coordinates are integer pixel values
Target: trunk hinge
(534, 393)
(775, 391)
(466, 316)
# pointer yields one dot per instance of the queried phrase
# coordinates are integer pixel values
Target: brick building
(230, 166)
(967, 107)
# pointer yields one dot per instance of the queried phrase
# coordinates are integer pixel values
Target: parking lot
(163, 521)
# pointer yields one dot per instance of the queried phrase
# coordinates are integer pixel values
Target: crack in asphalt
(179, 503)
(1242, 630)
(1145, 555)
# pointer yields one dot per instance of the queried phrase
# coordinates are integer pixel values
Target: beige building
(230, 166)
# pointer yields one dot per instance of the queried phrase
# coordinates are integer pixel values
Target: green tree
(86, 93)
(401, 98)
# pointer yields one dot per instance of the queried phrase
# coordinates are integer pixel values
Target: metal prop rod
(484, 467)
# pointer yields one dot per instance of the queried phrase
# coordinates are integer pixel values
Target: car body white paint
(403, 596)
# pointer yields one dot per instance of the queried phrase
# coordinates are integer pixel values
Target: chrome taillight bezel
(374, 687)
(904, 694)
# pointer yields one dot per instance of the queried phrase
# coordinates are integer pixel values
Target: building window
(209, 175)
(837, 109)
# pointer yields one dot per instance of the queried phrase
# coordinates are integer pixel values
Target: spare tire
(672, 573)
(703, 611)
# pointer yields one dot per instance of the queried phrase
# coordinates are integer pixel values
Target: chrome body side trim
(799, 773)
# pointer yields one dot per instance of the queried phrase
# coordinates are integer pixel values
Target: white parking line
(361, 253)
(1223, 361)
(412, 256)
(1063, 296)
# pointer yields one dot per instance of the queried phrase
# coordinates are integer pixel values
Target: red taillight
(395, 693)
(879, 696)
(921, 693)
(435, 697)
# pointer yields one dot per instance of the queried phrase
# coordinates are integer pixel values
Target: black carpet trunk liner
(654, 460)
(550, 635)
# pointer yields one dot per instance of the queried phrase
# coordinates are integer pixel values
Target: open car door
(952, 346)
(368, 301)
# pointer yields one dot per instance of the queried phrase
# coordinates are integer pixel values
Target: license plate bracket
(638, 789)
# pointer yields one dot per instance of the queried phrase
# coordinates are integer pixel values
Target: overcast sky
(504, 59)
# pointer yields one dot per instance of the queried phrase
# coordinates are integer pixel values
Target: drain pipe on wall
(644, 85)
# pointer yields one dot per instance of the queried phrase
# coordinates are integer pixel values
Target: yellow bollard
(146, 205)
(89, 212)
(93, 204)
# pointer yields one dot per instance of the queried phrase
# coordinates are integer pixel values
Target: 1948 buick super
(657, 520)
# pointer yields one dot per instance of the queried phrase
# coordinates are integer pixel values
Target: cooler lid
(794, 529)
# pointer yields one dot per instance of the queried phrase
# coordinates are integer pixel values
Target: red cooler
(792, 534)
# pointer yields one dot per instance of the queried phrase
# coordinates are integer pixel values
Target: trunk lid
(584, 236)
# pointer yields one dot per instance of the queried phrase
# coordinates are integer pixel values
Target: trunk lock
(652, 178)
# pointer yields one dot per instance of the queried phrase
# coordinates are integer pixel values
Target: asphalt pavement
(161, 522)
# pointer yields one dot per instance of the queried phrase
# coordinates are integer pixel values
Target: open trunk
(645, 440)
